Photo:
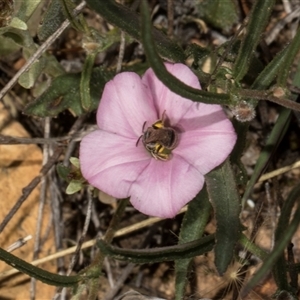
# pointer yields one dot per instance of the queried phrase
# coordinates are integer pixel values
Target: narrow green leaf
(258, 19)
(170, 253)
(173, 83)
(263, 81)
(269, 149)
(129, 21)
(280, 270)
(252, 247)
(226, 202)
(37, 273)
(269, 73)
(78, 22)
(192, 228)
(278, 247)
(85, 92)
(293, 50)
(64, 94)
(279, 128)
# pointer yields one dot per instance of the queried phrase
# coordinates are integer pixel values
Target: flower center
(159, 139)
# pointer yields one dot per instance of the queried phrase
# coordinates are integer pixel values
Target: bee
(159, 139)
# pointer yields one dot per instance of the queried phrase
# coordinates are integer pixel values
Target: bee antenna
(137, 142)
(143, 127)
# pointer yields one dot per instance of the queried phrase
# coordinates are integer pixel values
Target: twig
(170, 18)
(14, 140)
(125, 273)
(84, 232)
(73, 134)
(56, 200)
(287, 6)
(273, 33)
(40, 51)
(19, 243)
(42, 201)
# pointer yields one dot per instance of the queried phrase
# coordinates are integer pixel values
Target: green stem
(173, 83)
(37, 273)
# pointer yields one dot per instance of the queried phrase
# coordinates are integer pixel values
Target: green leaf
(280, 126)
(292, 51)
(78, 22)
(27, 9)
(75, 162)
(85, 92)
(28, 78)
(64, 94)
(173, 83)
(37, 273)
(19, 36)
(192, 228)
(62, 171)
(221, 14)
(17, 23)
(129, 21)
(226, 203)
(7, 46)
(258, 19)
(280, 270)
(279, 246)
(74, 187)
(52, 20)
(170, 253)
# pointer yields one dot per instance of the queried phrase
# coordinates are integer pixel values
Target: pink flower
(115, 162)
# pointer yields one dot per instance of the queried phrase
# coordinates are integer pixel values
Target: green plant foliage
(221, 14)
(192, 228)
(226, 203)
(64, 94)
(170, 253)
(52, 19)
(127, 20)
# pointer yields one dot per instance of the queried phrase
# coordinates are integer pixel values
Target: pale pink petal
(205, 151)
(163, 188)
(111, 162)
(207, 137)
(164, 99)
(125, 105)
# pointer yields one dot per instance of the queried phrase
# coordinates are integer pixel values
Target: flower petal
(125, 105)
(166, 100)
(111, 162)
(163, 188)
(207, 137)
